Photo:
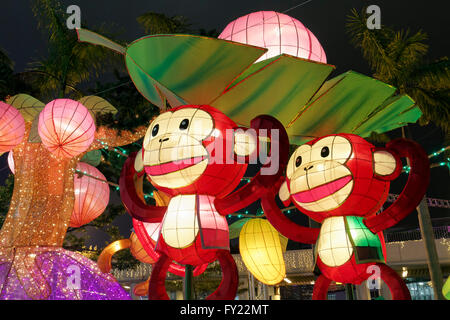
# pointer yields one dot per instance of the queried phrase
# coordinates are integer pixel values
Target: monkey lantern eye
(184, 124)
(155, 130)
(325, 152)
(298, 161)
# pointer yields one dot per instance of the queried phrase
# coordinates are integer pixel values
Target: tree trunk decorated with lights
(33, 264)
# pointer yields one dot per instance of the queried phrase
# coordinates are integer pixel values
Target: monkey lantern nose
(307, 168)
(162, 140)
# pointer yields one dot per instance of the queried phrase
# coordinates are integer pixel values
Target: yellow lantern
(262, 248)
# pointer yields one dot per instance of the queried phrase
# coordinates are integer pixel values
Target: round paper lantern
(277, 32)
(66, 127)
(138, 251)
(11, 161)
(262, 251)
(91, 195)
(12, 127)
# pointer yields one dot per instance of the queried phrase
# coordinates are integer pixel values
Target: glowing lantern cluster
(66, 127)
(91, 195)
(12, 127)
(277, 32)
(261, 248)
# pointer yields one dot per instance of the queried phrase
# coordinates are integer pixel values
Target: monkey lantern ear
(245, 142)
(386, 165)
(284, 194)
(138, 163)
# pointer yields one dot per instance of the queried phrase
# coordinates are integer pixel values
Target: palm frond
(435, 74)
(434, 104)
(158, 23)
(49, 16)
(405, 50)
(373, 43)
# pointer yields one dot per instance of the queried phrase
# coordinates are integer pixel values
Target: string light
(434, 154)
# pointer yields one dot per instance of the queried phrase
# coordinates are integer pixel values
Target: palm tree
(69, 62)
(399, 58)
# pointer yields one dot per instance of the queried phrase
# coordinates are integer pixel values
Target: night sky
(22, 41)
(325, 18)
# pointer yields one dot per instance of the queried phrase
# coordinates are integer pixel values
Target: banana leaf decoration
(180, 69)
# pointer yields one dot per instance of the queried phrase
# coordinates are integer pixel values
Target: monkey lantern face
(339, 175)
(185, 151)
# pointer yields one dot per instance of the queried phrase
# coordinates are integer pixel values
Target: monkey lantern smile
(322, 191)
(172, 166)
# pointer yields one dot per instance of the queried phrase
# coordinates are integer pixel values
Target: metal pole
(188, 282)
(277, 294)
(349, 291)
(251, 286)
(265, 292)
(426, 230)
(434, 268)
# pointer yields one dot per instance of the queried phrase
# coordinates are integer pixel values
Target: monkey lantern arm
(415, 188)
(260, 183)
(132, 199)
(284, 225)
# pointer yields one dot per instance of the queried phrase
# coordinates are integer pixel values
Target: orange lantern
(138, 251)
(91, 195)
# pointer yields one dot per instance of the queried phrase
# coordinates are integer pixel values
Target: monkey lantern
(341, 181)
(197, 156)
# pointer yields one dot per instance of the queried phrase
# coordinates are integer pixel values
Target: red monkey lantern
(341, 181)
(197, 156)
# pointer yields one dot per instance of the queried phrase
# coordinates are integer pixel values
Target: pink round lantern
(91, 195)
(12, 127)
(66, 127)
(11, 161)
(277, 32)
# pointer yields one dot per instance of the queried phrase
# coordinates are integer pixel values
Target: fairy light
(434, 154)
